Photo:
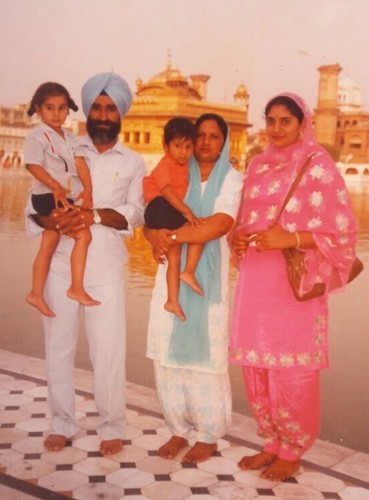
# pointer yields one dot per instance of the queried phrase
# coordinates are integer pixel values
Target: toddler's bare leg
(78, 264)
(194, 251)
(172, 305)
(41, 265)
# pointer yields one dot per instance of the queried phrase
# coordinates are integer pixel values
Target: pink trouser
(286, 406)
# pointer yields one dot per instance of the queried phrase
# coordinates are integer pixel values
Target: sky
(269, 46)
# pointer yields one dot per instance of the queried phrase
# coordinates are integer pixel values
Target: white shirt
(117, 183)
(45, 147)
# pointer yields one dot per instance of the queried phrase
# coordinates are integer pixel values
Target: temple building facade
(168, 94)
(14, 126)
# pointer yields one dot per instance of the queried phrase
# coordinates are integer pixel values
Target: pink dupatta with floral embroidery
(320, 204)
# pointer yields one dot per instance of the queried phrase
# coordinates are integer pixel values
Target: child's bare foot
(40, 304)
(110, 447)
(199, 453)
(176, 309)
(192, 282)
(281, 469)
(55, 442)
(257, 461)
(171, 448)
(82, 297)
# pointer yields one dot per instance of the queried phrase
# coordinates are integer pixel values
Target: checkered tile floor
(27, 470)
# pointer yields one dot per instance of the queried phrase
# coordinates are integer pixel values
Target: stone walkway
(28, 471)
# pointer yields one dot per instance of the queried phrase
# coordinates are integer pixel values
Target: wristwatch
(97, 218)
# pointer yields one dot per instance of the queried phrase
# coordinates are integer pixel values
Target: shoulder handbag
(295, 258)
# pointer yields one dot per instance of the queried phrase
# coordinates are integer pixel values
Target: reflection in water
(344, 386)
(13, 192)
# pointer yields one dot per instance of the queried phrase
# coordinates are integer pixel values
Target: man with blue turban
(116, 173)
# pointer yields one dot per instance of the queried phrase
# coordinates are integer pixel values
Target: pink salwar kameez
(281, 343)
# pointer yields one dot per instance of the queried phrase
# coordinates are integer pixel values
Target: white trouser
(105, 327)
(193, 400)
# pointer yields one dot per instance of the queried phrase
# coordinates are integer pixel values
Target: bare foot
(171, 448)
(192, 282)
(199, 453)
(257, 461)
(40, 304)
(55, 442)
(111, 447)
(82, 297)
(281, 469)
(176, 309)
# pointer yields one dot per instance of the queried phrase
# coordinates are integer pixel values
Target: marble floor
(28, 471)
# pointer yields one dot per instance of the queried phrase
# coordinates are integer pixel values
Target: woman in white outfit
(190, 357)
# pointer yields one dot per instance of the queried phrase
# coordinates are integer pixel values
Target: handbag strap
(295, 184)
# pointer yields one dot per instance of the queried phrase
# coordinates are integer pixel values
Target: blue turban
(114, 85)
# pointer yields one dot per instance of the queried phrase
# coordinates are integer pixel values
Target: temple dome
(349, 95)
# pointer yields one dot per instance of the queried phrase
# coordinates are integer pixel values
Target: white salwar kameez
(197, 396)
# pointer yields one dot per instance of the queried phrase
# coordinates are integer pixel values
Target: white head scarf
(114, 85)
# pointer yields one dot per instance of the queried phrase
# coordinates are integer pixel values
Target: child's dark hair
(179, 127)
(50, 89)
(290, 104)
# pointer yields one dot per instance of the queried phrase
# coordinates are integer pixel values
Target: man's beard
(103, 135)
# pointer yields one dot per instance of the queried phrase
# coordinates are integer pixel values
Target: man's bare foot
(40, 304)
(281, 469)
(176, 309)
(171, 448)
(192, 282)
(199, 453)
(111, 447)
(82, 297)
(257, 461)
(55, 442)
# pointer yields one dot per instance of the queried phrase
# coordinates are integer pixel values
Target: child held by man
(58, 175)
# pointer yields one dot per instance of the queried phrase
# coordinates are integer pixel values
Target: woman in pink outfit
(281, 343)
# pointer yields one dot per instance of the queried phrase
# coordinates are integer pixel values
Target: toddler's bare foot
(281, 469)
(55, 442)
(199, 453)
(176, 309)
(171, 448)
(40, 304)
(192, 282)
(82, 297)
(257, 461)
(111, 447)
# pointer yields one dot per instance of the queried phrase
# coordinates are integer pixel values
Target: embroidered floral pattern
(342, 222)
(293, 205)
(274, 187)
(272, 212)
(263, 168)
(313, 359)
(314, 223)
(316, 199)
(254, 192)
(342, 196)
(253, 217)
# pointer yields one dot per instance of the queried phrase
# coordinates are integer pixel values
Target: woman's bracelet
(298, 241)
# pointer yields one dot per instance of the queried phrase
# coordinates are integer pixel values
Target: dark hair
(50, 89)
(222, 124)
(289, 103)
(179, 127)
